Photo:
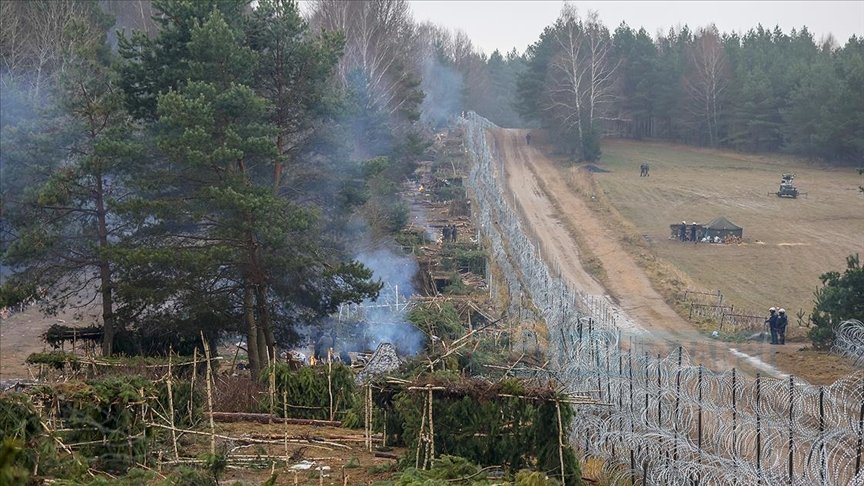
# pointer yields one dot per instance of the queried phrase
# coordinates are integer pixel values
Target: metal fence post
(758, 426)
(860, 435)
(677, 401)
(822, 434)
(791, 408)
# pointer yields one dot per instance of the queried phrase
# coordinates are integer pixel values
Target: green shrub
(55, 359)
(433, 320)
(473, 421)
(107, 415)
(308, 393)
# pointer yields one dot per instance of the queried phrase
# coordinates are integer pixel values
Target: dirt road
(561, 220)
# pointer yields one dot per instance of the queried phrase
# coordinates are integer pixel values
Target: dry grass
(788, 242)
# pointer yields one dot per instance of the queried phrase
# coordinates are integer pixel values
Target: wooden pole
(560, 441)
(421, 440)
(285, 411)
(431, 431)
(271, 380)
(330, 378)
(192, 381)
(210, 395)
(368, 420)
(171, 405)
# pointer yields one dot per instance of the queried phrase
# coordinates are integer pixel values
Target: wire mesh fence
(667, 419)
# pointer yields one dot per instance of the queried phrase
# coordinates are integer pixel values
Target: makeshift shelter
(722, 227)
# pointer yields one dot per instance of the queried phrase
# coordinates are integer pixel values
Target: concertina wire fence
(666, 420)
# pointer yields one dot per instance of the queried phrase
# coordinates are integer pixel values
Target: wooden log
(266, 418)
(386, 455)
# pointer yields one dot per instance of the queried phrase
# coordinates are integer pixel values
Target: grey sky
(504, 25)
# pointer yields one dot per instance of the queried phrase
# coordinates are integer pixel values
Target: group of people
(448, 232)
(776, 323)
(643, 169)
(689, 233)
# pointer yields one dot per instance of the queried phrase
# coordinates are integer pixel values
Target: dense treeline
(765, 90)
(209, 165)
(212, 171)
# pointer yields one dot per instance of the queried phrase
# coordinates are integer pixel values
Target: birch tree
(707, 81)
(378, 35)
(37, 40)
(580, 80)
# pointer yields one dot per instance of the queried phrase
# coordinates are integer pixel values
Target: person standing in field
(782, 322)
(772, 324)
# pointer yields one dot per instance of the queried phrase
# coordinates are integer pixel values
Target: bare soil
(558, 212)
(339, 451)
(21, 335)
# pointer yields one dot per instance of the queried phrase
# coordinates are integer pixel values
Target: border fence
(667, 419)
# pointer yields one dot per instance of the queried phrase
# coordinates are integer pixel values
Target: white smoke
(386, 317)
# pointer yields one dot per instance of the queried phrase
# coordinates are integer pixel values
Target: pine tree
(65, 221)
(219, 233)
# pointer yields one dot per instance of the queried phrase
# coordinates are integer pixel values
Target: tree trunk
(104, 272)
(251, 332)
(264, 354)
(265, 323)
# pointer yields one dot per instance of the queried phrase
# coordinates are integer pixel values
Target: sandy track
(552, 212)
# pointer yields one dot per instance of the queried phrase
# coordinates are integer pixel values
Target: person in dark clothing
(445, 233)
(782, 322)
(693, 229)
(453, 233)
(528, 139)
(643, 169)
(772, 324)
(323, 344)
(682, 235)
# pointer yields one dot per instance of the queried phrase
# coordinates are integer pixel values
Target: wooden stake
(330, 378)
(192, 383)
(367, 399)
(271, 381)
(420, 438)
(171, 406)
(431, 432)
(560, 440)
(285, 409)
(210, 395)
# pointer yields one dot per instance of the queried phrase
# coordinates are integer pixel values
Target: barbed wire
(849, 340)
(668, 420)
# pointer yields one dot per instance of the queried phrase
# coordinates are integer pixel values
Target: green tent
(722, 228)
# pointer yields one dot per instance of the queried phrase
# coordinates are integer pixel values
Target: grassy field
(788, 243)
